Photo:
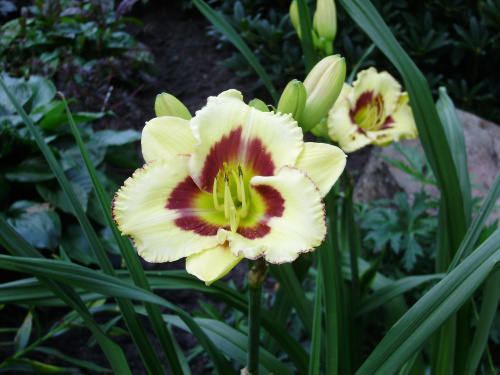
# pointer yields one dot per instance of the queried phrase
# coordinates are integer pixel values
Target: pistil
(214, 193)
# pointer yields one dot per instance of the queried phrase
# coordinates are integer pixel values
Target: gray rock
(378, 179)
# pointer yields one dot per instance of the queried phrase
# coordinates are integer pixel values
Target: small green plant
(83, 44)
(408, 231)
(31, 200)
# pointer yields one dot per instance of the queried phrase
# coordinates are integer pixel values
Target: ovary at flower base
(230, 183)
(373, 110)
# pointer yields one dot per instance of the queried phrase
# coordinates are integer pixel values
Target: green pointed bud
(293, 99)
(325, 20)
(258, 104)
(294, 17)
(169, 105)
(323, 85)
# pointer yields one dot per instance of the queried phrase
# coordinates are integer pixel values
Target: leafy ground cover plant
(32, 203)
(83, 44)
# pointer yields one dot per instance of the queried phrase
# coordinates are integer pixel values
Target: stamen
(217, 206)
(243, 198)
(228, 200)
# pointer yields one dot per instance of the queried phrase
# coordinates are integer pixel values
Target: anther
(243, 198)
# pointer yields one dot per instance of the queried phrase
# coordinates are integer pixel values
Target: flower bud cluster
(324, 24)
(309, 102)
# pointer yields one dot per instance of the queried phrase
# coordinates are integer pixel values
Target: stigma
(236, 203)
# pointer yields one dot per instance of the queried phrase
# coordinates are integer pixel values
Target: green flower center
(236, 202)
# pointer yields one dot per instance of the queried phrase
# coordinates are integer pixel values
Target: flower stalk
(256, 276)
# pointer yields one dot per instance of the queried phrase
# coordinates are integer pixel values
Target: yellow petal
(323, 163)
(166, 136)
(229, 131)
(212, 264)
(298, 228)
(343, 130)
(142, 209)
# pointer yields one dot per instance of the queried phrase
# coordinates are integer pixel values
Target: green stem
(354, 247)
(256, 275)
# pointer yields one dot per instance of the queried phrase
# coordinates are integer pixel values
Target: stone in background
(378, 179)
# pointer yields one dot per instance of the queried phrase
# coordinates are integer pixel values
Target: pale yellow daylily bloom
(230, 183)
(371, 111)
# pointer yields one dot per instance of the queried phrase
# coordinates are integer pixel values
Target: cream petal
(166, 135)
(344, 131)
(299, 228)
(151, 209)
(212, 264)
(229, 131)
(323, 163)
(402, 127)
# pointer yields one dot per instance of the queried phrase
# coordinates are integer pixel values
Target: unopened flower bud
(325, 20)
(323, 85)
(294, 17)
(293, 99)
(169, 105)
(257, 273)
(258, 104)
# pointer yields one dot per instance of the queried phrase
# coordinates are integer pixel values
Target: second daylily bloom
(371, 111)
(232, 182)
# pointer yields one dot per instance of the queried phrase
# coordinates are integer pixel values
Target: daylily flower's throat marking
(370, 113)
(231, 203)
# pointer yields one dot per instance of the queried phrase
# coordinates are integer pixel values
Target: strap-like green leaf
(310, 58)
(388, 292)
(429, 126)
(285, 275)
(455, 135)
(477, 225)
(129, 255)
(15, 244)
(233, 343)
(491, 300)
(219, 22)
(439, 304)
(314, 362)
(95, 281)
(136, 328)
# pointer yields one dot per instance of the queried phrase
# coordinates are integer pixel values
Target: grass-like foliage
(393, 288)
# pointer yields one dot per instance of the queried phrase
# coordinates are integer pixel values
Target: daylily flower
(372, 111)
(230, 183)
